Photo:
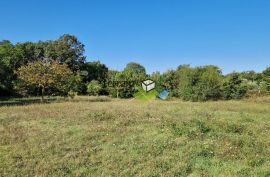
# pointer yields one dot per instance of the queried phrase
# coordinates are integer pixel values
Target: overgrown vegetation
(200, 83)
(104, 137)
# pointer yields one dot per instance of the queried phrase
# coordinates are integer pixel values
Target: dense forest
(59, 67)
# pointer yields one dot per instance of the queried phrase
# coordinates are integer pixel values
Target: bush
(263, 88)
(200, 83)
(253, 89)
(170, 81)
(234, 87)
(94, 87)
(72, 94)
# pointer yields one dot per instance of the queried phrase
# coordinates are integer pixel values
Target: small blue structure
(164, 94)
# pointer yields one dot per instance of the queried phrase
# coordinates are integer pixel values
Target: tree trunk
(42, 93)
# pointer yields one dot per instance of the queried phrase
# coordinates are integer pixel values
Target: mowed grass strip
(136, 138)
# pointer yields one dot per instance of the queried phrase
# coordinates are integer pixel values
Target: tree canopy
(46, 75)
(135, 68)
(56, 67)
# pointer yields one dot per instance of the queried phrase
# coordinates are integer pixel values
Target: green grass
(104, 137)
(142, 95)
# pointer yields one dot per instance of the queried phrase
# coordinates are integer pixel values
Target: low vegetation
(110, 137)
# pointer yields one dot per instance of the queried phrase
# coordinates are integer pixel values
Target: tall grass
(136, 138)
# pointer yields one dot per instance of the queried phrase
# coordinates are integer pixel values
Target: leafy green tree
(95, 71)
(135, 68)
(187, 83)
(234, 87)
(125, 83)
(46, 75)
(170, 81)
(200, 83)
(250, 76)
(122, 84)
(210, 84)
(6, 66)
(6, 53)
(23, 54)
(253, 88)
(157, 77)
(94, 88)
(14, 56)
(263, 88)
(2, 78)
(137, 72)
(266, 78)
(66, 50)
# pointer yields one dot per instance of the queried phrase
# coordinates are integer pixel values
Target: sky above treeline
(159, 34)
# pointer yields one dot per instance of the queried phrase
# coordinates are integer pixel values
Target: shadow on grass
(36, 100)
(24, 101)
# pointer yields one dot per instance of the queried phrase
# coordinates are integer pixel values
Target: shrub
(234, 87)
(200, 83)
(263, 88)
(94, 87)
(72, 94)
(253, 89)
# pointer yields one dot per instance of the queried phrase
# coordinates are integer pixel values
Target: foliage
(266, 78)
(135, 68)
(45, 75)
(158, 79)
(264, 88)
(252, 87)
(6, 74)
(66, 50)
(123, 84)
(72, 94)
(200, 83)
(189, 83)
(233, 87)
(251, 76)
(95, 71)
(170, 81)
(94, 88)
(3, 85)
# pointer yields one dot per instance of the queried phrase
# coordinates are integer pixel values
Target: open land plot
(135, 138)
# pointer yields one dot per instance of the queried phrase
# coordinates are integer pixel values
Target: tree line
(59, 67)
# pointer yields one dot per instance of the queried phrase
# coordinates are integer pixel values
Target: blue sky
(160, 34)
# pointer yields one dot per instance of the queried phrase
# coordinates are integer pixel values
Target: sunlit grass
(142, 95)
(105, 137)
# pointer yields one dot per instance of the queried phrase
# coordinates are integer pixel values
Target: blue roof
(164, 94)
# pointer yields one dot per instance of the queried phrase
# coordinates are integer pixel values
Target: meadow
(111, 137)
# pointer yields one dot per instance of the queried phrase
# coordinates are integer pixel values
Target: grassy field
(107, 137)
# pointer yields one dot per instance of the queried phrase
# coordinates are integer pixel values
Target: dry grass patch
(135, 138)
